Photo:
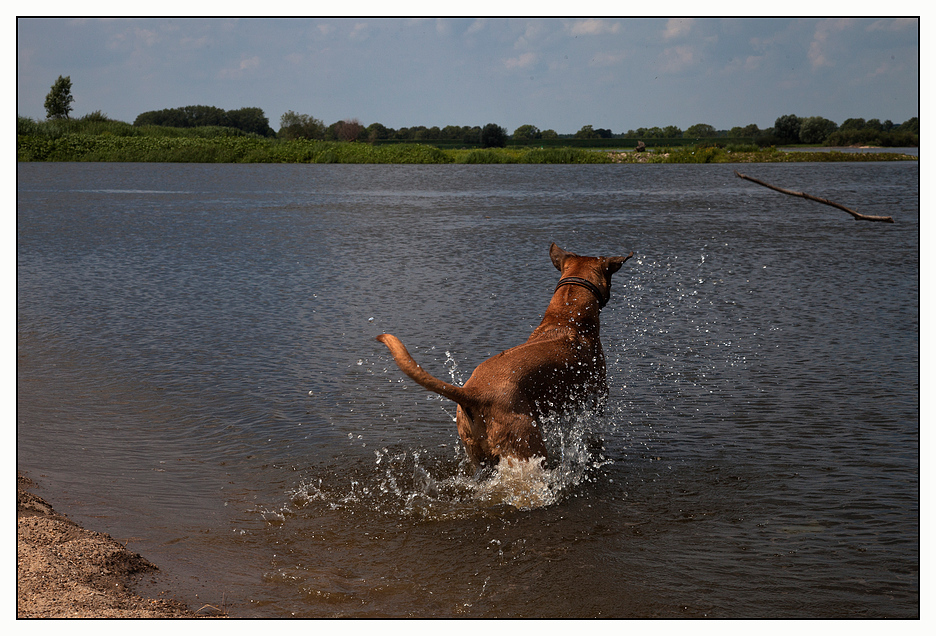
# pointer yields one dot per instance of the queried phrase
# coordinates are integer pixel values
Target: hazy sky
(553, 73)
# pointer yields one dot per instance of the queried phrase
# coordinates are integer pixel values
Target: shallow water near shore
(197, 374)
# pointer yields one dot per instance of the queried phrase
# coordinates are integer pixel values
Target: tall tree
(787, 127)
(751, 130)
(700, 130)
(58, 101)
(911, 125)
(493, 136)
(451, 132)
(815, 130)
(377, 131)
(349, 130)
(527, 132)
(586, 132)
(300, 126)
(853, 123)
(471, 134)
(251, 120)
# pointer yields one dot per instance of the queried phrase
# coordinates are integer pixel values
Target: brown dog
(560, 366)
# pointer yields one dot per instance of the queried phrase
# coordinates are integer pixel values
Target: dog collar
(587, 284)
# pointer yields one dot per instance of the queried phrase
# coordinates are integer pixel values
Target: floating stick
(858, 216)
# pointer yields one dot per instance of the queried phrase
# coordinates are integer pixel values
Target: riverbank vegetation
(94, 137)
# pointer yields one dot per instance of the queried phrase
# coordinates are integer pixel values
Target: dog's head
(595, 269)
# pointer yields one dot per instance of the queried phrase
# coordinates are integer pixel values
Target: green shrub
(565, 155)
(693, 155)
(742, 148)
(100, 139)
(487, 155)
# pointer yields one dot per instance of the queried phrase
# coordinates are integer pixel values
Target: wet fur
(560, 366)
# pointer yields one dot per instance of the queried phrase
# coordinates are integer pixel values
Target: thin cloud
(246, 64)
(591, 26)
(476, 26)
(898, 24)
(195, 43)
(146, 37)
(443, 27)
(607, 59)
(883, 69)
(135, 38)
(753, 62)
(744, 64)
(532, 34)
(359, 32)
(677, 27)
(820, 49)
(524, 60)
(676, 59)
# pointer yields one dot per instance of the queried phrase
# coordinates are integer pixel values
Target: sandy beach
(66, 571)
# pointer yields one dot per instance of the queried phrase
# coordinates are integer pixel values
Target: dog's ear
(615, 262)
(558, 255)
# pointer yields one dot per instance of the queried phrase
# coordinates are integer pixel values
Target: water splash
(424, 484)
(525, 485)
(452, 365)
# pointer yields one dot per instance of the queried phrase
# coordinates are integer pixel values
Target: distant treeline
(790, 129)
(787, 129)
(302, 139)
(250, 120)
(93, 138)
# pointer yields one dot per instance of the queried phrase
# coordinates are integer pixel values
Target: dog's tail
(406, 363)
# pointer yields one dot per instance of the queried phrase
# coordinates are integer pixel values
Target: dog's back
(560, 366)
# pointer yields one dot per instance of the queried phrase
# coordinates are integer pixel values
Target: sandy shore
(65, 571)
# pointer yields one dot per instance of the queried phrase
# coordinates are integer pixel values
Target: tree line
(791, 129)
(249, 120)
(787, 129)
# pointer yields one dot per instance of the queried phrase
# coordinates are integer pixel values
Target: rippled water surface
(197, 374)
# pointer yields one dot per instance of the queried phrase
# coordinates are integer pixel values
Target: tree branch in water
(858, 216)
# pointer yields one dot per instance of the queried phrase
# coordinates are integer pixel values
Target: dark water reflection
(196, 371)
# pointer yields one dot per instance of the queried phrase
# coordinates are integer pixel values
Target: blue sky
(620, 73)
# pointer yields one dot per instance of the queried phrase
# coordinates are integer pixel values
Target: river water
(197, 375)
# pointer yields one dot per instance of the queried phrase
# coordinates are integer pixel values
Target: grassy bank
(83, 147)
(749, 154)
(222, 148)
(117, 141)
(217, 150)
